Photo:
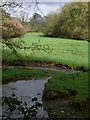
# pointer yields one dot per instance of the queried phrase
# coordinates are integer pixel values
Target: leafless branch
(37, 7)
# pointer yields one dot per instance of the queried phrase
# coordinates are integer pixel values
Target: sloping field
(73, 53)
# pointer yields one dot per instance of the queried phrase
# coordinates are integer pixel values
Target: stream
(26, 89)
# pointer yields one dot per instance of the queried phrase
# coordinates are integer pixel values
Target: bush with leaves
(72, 22)
(13, 104)
(50, 24)
(11, 27)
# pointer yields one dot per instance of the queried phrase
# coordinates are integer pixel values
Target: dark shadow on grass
(61, 37)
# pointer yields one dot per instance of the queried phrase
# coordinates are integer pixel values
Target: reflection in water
(26, 90)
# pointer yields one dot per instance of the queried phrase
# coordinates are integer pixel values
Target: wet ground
(66, 70)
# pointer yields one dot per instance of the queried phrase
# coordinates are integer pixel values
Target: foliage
(14, 45)
(37, 46)
(17, 44)
(72, 22)
(14, 104)
(11, 27)
(50, 24)
(36, 23)
(15, 27)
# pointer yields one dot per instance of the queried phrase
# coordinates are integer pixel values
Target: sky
(45, 7)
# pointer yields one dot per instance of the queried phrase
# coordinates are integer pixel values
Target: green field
(14, 74)
(64, 83)
(73, 53)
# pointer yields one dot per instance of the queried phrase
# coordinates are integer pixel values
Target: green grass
(73, 53)
(63, 83)
(60, 82)
(13, 74)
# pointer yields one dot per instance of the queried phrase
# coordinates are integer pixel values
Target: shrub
(70, 22)
(11, 27)
(50, 23)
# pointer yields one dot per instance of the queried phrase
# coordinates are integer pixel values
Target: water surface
(26, 90)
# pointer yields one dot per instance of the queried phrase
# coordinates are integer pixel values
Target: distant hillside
(11, 27)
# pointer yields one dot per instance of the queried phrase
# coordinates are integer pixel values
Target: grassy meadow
(14, 74)
(69, 52)
(64, 83)
(73, 53)
(54, 47)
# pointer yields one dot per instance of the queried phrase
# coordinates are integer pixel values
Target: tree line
(69, 22)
